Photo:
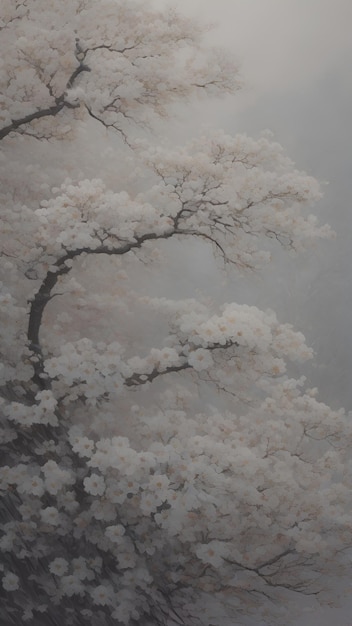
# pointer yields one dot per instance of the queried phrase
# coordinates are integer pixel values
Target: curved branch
(212, 240)
(99, 119)
(54, 110)
(142, 379)
(270, 578)
(60, 103)
(44, 294)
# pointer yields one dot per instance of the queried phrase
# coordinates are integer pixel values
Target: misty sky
(295, 57)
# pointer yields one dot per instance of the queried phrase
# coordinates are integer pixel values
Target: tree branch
(15, 124)
(142, 379)
(44, 294)
(60, 104)
(268, 578)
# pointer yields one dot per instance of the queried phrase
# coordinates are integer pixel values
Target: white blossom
(50, 515)
(158, 460)
(200, 359)
(102, 594)
(81, 569)
(212, 552)
(115, 533)
(58, 566)
(32, 485)
(83, 447)
(94, 484)
(10, 582)
(56, 478)
(71, 585)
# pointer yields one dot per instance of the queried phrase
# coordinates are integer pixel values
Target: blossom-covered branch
(60, 103)
(159, 464)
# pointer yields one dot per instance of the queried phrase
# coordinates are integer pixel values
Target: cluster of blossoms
(133, 85)
(242, 325)
(87, 215)
(255, 343)
(178, 492)
(42, 412)
(127, 502)
(49, 478)
(82, 368)
(224, 188)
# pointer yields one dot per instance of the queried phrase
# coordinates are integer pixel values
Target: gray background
(295, 57)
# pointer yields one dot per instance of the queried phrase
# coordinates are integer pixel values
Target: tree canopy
(160, 465)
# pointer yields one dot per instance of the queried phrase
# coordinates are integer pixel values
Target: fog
(295, 58)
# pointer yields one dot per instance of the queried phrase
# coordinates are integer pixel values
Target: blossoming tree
(131, 492)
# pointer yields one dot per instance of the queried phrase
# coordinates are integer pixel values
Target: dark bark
(60, 104)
